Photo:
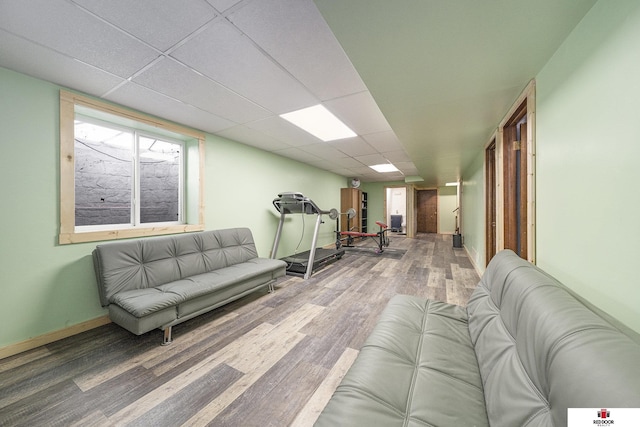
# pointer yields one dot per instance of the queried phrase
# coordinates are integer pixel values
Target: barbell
(350, 213)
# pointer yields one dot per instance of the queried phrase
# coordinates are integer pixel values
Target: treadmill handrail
(290, 203)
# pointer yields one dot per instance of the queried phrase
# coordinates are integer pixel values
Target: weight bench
(381, 238)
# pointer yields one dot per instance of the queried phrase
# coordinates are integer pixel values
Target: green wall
(241, 183)
(447, 202)
(47, 287)
(44, 287)
(587, 151)
(375, 201)
(472, 206)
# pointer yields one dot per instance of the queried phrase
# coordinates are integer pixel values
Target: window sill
(94, 236)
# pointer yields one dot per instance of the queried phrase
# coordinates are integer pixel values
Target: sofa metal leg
(166, 340)
(272, 287)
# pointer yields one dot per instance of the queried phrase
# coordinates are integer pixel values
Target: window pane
(159, 180)
(103, 174)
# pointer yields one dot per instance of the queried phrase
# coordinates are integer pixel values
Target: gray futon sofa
(158, 282)
(523, 351)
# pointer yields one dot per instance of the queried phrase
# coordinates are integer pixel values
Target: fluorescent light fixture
(451, 184)
(319, 122)
(384, 167)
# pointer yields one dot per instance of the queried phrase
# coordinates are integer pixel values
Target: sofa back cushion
(153, 261)
(541, 349)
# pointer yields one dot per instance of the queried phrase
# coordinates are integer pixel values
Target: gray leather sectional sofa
(523, 351)
(158, 282)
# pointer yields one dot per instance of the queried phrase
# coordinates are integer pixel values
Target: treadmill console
(292, 202)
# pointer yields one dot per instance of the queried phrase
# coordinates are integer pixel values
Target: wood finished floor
(265, 360)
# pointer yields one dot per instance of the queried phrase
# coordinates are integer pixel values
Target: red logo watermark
(603, 413)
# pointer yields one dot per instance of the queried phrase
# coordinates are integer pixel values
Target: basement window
(124, 174)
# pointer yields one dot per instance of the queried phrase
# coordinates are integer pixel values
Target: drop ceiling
(423, 83)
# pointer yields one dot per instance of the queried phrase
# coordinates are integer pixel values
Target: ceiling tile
(353, 147)
(282, 130)
(343, 172)
(397, 156)
(252, 137)
(222, 5)
(88, 39)
(311, 55)
(37, 61)
(360, 112)
(177, 81)
(384, 141)
(407, 168)
(224, 54)
(347, 162)
(170, 22)
(372, 159)
(324, 151)
(365, 171)
(393, 176)
(324, 164)
(297, 154)
(151, 102)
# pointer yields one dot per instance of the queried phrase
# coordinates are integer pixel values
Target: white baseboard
(473, 262)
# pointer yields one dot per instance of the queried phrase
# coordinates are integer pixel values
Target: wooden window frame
(68, 233)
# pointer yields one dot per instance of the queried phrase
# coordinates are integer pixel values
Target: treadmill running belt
(297, 264)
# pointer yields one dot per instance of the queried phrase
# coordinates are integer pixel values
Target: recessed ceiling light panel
(384, 167)
(319, 122)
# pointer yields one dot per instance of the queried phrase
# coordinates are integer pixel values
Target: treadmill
(304, 263)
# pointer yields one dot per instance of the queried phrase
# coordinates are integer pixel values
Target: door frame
(528, 98)
(491, 198)
(407, 189)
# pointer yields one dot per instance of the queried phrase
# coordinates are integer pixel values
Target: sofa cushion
(201, 284)
(416, 368)
(142, 302)
(221, 296)
(542, 350)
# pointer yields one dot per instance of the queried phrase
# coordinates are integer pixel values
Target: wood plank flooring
(265, 360)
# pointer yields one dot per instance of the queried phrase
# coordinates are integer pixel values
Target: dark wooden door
(515, 184)
(427, 216)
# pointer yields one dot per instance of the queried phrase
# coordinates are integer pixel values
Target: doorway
(395, 204)
(515, 182)
(510, 181)
(427, 211)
